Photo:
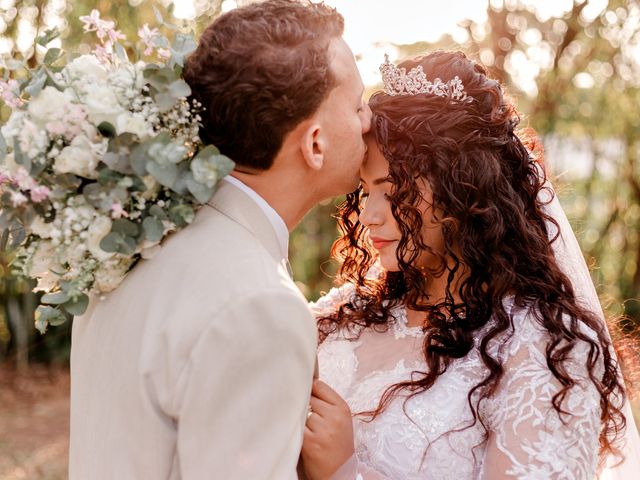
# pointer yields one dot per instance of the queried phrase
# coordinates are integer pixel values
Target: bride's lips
(379, 243)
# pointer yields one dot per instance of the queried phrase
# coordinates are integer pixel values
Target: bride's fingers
(325, 392)
(314, 422)
(319, 406)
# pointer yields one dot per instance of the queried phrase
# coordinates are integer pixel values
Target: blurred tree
(576, 75)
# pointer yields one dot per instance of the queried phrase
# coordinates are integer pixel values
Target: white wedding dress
(433, 436)
(527, 439)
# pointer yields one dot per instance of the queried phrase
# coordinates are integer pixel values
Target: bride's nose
(371, 215)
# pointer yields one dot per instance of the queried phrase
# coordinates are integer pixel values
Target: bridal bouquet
(100, 160)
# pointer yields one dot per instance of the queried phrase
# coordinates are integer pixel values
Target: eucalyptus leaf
(56, 298)
(46, 315)
(125, 227)
(77, 305)
(18, 235)
(52, 55)
(38, 167)
(106, 176)
(47, 36)
(34, 87)
(12, 64)
(138, 184)
(119, 243)
(158, 213)
(94, 194)
(19, 157)
(200, 191)
(139, 157)
(3, 148)
(166, 175)
(179, 89)
(4, 240)
(165, 101)
(181, 214)
(6, 220)
(160, 78)
(153, 229)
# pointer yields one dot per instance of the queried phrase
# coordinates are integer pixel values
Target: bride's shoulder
(331, 301)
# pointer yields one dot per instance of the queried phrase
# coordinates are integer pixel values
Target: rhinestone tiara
(398, 82)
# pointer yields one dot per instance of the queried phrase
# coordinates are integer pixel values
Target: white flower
(18, 199)
(13, 127)
(85, 67)
(46, 282)
(99, 229)
(111, 273)
(128, 79)
(129, 123)
(48, 105)
(40, 228)
(78, 158)
(43, 259)
(102, 104)
(33, 139)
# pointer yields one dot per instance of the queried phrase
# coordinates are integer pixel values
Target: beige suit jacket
(199, 366)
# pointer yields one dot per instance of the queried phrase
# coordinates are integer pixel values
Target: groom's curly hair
(486, 180)
(259, 71)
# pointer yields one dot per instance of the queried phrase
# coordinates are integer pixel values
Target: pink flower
(4, 178)
(23, 180)
(117, 211)
(164, 53)
(10, 93)
(40, 194)
(55, 128)
(105, 30)
(147, 35)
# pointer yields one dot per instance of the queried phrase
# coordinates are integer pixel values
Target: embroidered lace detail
(433, 435)
(401, 326)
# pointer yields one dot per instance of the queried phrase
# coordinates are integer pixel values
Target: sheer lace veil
(571, 261)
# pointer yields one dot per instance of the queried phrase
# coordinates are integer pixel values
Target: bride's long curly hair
(485, 180)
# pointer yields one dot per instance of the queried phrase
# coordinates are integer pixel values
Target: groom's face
(345, 118)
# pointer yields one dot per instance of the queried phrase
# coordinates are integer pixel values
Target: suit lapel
(239, 207)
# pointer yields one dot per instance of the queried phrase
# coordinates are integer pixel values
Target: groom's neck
(282, 192)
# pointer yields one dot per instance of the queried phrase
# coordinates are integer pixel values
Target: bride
(467, 340)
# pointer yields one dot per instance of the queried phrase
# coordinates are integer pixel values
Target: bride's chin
(389, 264)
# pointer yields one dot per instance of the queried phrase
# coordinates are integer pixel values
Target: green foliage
(604, 204)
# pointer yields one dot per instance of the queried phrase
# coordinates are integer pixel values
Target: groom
(199, 366)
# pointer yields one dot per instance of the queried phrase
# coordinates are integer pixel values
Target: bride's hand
(328, 435)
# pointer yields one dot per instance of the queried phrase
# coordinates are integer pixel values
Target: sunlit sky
(372, 27)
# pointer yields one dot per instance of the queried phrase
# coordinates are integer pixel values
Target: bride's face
(376, 215)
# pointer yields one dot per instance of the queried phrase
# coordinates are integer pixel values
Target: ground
(34, 424)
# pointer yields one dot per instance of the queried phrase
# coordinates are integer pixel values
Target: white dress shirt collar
(280, 227)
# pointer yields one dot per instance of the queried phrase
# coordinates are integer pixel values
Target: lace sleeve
(329, 302)
(528, 439)
(353, 469)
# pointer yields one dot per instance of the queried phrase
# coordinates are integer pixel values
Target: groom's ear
(313, 146)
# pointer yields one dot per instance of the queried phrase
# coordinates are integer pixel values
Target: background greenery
(582, 100)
